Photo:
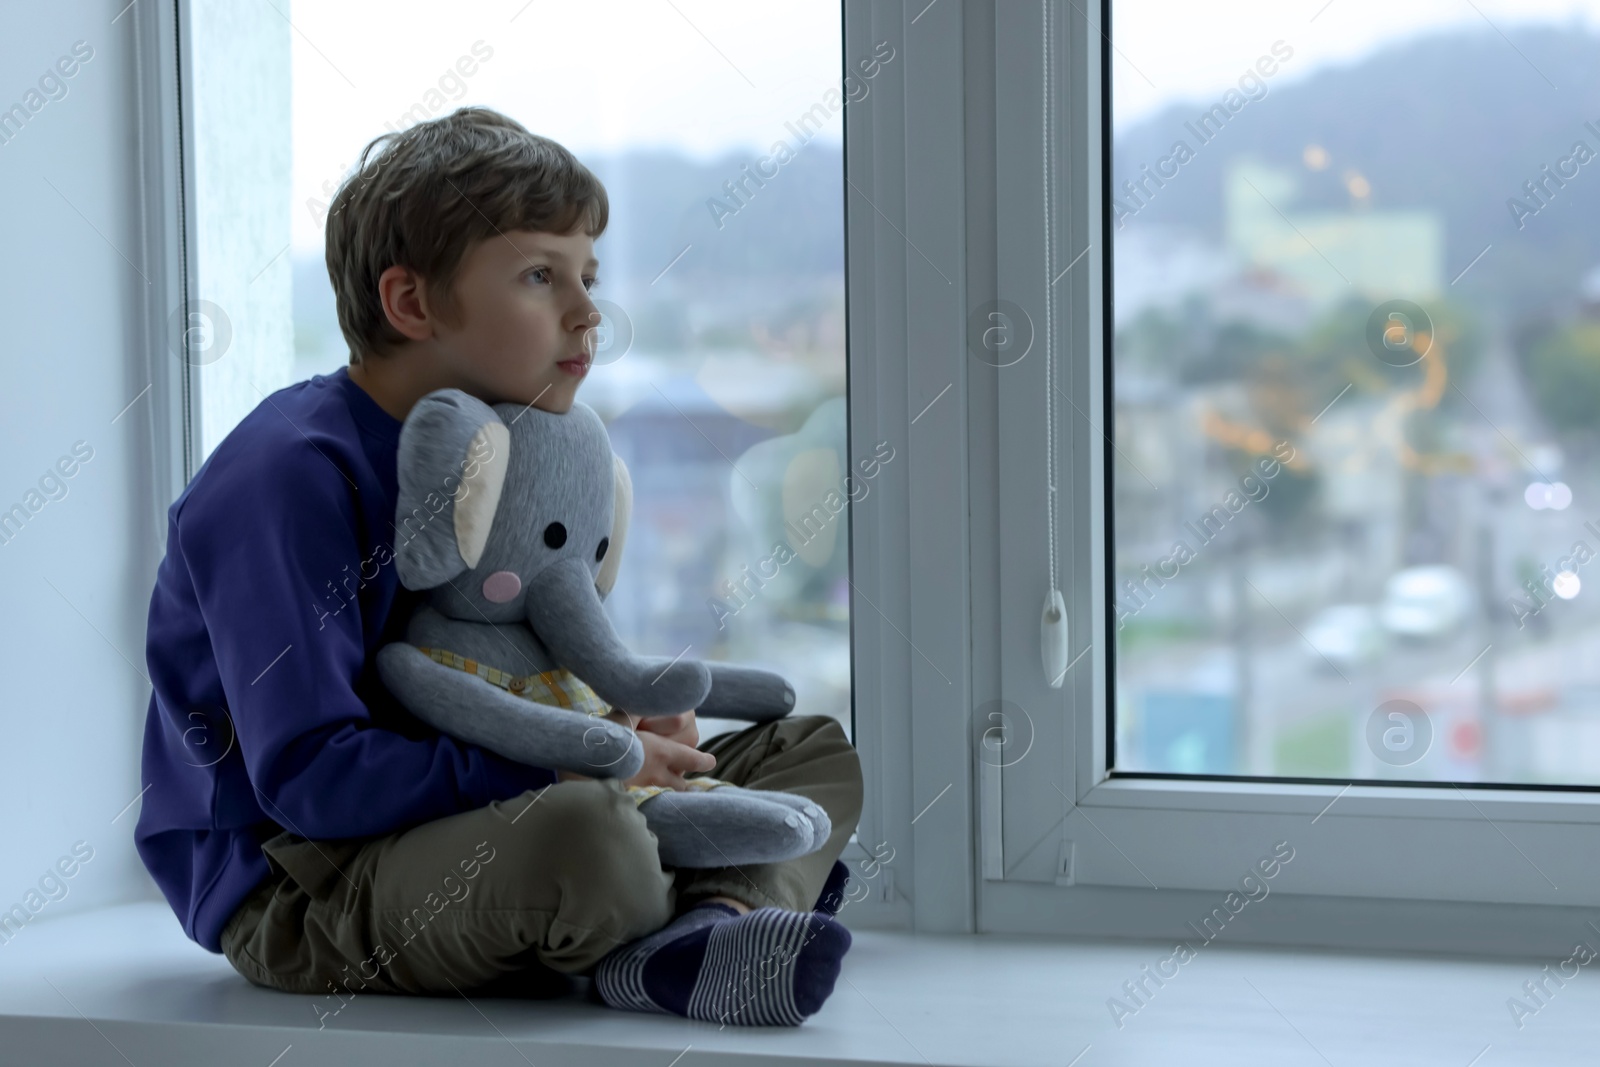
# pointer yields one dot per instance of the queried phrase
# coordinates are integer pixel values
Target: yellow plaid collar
(559, 687)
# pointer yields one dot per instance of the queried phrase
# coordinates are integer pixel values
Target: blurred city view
(721, 365)
(1356, 374)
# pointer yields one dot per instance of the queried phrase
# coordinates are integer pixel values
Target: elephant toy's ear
(454, 451)
(620, 514)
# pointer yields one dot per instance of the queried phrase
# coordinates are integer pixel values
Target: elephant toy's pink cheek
(501, 586)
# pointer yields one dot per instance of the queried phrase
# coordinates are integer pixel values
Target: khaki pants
(511, 898)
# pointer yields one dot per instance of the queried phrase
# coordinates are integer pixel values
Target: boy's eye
(543, 274)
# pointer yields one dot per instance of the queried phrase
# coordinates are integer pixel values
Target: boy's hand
(669, 751)
(681, 727)
(667, 761)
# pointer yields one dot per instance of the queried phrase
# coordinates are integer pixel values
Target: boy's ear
(620, 513)
(454, 451)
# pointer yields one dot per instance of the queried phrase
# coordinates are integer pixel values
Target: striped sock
(766, 967)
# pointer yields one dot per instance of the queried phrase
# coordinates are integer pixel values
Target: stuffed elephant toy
(513, 518)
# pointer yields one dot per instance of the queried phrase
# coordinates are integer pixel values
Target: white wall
(75, 581)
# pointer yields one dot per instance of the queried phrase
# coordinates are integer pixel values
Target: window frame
(162, 74)
(1376, 865)
(166, 80)
(943, 191)
(911, 615)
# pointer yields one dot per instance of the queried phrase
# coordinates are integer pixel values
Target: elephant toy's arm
(747, 693)
(465, 706)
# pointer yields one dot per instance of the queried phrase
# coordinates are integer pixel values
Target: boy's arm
(260, 556)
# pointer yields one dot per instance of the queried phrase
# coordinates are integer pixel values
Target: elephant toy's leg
(821, 825)
(727, 826)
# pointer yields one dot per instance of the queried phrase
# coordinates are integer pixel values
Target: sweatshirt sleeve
(260, 545)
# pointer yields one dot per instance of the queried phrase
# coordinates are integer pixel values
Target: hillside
(1453, 122)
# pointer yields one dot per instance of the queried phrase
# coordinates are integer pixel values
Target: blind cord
(1053, 620)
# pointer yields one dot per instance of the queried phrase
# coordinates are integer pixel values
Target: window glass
(717, 130)
(1356, 366)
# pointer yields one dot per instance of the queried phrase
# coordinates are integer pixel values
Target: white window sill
(153, 997)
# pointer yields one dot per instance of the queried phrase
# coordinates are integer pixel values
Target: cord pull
(1053, 638)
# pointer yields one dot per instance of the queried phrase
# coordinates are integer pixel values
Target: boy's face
(523, 319)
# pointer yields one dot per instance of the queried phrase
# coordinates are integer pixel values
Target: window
(1065, 376)
(721, 373)
(1166, 345)
(1352, 406)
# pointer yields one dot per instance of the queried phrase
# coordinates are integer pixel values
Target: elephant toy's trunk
(566, 614)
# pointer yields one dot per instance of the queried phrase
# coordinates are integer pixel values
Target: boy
(297, 818)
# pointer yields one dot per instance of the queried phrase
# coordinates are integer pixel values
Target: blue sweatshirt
(277, 589)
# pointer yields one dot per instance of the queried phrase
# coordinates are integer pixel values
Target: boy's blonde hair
(427, 193)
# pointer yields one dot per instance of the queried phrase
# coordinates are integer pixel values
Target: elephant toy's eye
(555, 535)
(600, 553)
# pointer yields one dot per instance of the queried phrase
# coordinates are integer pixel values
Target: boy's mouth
(578, 367)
